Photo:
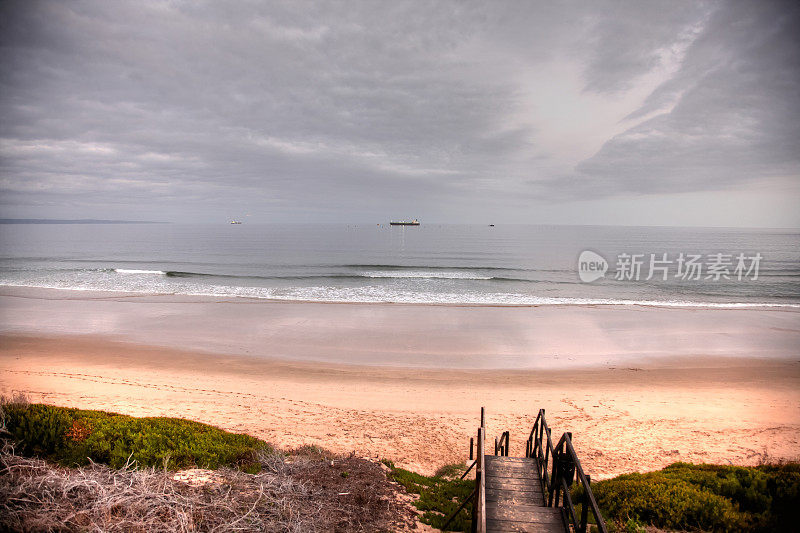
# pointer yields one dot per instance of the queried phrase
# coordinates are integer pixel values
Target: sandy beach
(627, 413)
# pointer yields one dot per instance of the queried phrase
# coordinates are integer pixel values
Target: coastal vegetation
(681, 497)
(73, 470)
(74, 437)
(439, 496)
(132, 483)
(704, 497)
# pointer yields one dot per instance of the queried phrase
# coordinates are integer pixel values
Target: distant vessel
(236, 222)
(414, 222)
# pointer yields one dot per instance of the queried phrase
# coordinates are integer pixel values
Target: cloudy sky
(643, 113)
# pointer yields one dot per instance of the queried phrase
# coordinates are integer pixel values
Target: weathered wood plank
(506, 470)
(509, 460)
(517, 495)
(527, 498)
(509, 526)
(512, 483)
(534, 514)
(514, 468)
(514, 499)
(520, 474)
(522, 497)
(517, 466)
(520, 490)
(513, 461)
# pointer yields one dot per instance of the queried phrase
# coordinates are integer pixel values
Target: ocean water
(443, 264)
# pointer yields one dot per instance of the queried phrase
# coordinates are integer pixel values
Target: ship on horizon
(414, 222)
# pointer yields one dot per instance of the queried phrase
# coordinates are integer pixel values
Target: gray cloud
(630, 39)
(731, 114)
(355, 110)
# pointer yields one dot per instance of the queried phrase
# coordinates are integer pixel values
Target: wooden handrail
(540, 447)
(479, 523)
(501, 445)
(589, 500)
(479, 498)
(557, 479)
(558, 467)
(463, 504)
(468, 469)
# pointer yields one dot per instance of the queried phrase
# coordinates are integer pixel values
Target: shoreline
(409, 335)
(721, 410)
(9, 290)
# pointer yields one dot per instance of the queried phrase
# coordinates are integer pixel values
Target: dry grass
(312, 490)
(346, 494)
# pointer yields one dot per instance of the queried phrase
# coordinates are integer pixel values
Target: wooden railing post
(568, 469)
(554, 475)
(541, 425)
(546, 444)
(471, 448)
(563, 466)
(479, 524)
(585, 506)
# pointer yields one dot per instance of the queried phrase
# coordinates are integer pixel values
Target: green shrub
(783, 486)
(666, 503)
(439, 497)
(73, 437)
(704, 497)
(451, 470)
(39, 429)
(745, 486)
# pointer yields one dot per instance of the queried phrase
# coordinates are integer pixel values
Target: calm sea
(455, 264)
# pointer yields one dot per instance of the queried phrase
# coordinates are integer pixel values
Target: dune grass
(74, 437)
(297, 495)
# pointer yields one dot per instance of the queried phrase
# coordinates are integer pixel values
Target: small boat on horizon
(236, 221)
(414, 222)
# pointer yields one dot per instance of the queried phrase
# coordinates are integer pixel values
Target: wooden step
(514, 499)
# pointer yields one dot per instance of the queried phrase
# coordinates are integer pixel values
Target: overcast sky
(642, 113)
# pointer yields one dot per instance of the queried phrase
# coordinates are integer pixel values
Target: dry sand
(626, 418)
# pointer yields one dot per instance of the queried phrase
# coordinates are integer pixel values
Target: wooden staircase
(514, 497)
(531, 493)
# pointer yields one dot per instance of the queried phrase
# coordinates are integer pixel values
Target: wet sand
(623, 418)
(422, 336)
